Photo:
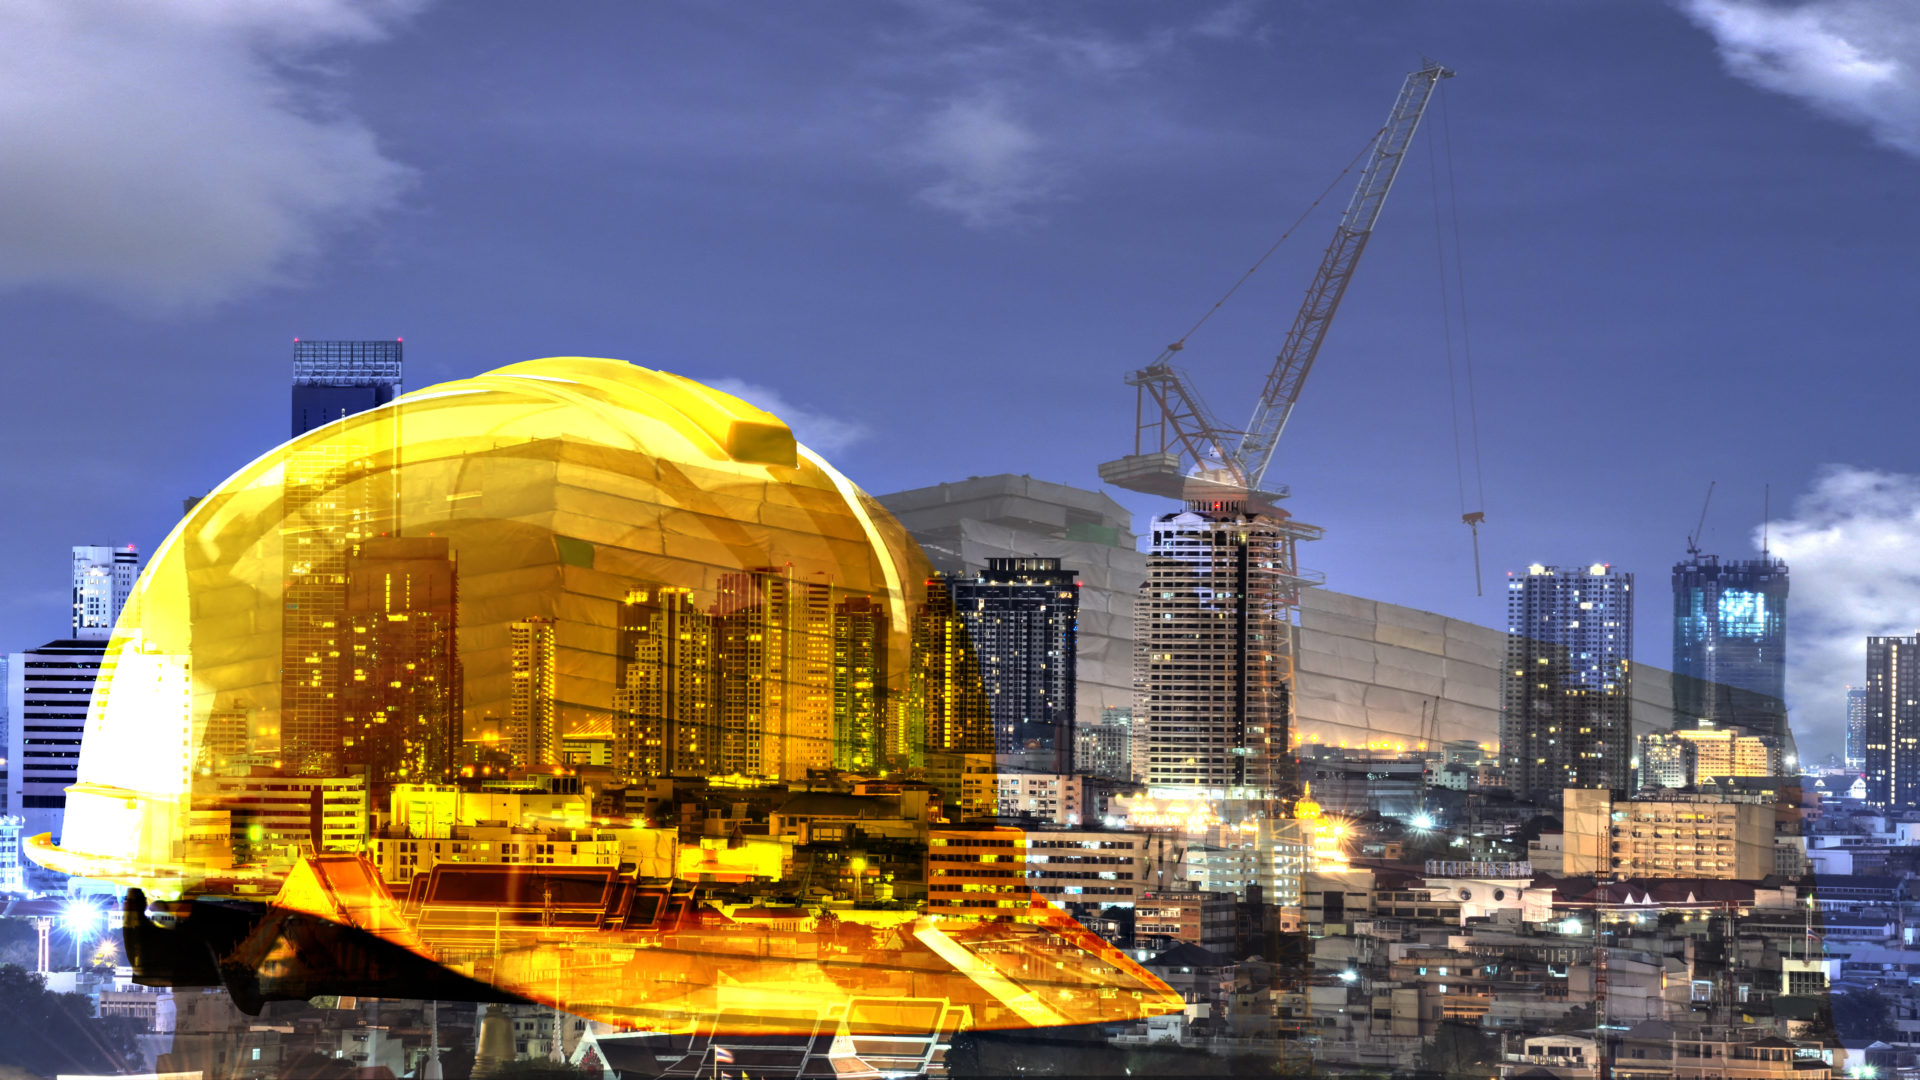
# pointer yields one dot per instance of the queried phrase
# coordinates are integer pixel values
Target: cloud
(1852, 546)
(170, 154)
(1009, 109)
(1230, 21)
(816, 430)
(990, 165)
(1854, 60)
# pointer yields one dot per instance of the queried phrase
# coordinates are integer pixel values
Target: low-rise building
(981, 869)
(1676, 835)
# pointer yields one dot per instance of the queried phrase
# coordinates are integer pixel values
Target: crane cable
(1261, 261)
(1470, 518)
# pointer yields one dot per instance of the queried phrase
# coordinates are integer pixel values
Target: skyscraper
(945, 727)
(1729, 645)
(1020, 615)
(1568, 685)
(531, 737)
(335, 500)
(102, 580)
(399, 679)
(1893, 722)
(332, 379)
(666, 705)
(962, 525)
(859, 683)
(1856, 727)
(1213, 650)
(48, 691)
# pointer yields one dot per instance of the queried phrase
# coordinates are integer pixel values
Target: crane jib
(1187, 434)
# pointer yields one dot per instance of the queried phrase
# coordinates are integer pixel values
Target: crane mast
(1193, 450)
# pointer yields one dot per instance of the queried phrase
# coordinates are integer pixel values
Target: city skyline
(1263, 119)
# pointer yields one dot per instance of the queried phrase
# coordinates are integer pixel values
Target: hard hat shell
(378, 638)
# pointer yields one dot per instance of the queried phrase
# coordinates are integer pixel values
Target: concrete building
(1106, 749)
(1566, 717)
(103, 578)
(1213, 647)
(1053, 798)
(984, 870)
(1687, 757)
(1168, 917)
(1669, 836)
(531, 737)
(278, 816)
(962, 525)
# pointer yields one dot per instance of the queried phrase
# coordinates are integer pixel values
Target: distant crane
(1693, 538)
(1180, 449)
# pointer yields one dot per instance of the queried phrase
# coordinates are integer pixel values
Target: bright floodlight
(1423, 821)
(80, 917)
(1349, 976)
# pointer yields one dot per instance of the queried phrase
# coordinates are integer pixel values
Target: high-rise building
(531, 736)
(945, 726)
(1020, 614)
(334, 503)
(332, 379)
(1106, 748)
(1568, 685)
(1213, 651)
(1729, 645)
(102, 580)
(1893, 722)
(399, 678)
(666, 707)
(48, 691)
(860, 628)
(962, 525)
(1856, 727)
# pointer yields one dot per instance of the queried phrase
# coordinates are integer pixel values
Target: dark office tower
(1893, 722)
(399, 669)
(859, 683)
(1567, 687)
(666, 705)
(1729, 644)
(1856, 727)
(1020, 615)
(1213, 651)
(332, 379)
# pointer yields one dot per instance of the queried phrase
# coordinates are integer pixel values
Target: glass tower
(1729, 644)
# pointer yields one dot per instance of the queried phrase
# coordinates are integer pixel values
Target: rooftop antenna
(1693, 538)
(1766, 518)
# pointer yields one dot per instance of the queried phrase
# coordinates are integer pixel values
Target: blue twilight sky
(935, 234)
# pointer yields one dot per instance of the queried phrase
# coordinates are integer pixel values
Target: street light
(80, 918)
(859, 867)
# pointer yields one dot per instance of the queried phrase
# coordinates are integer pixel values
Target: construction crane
(1693, 538)
(1180, 449)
